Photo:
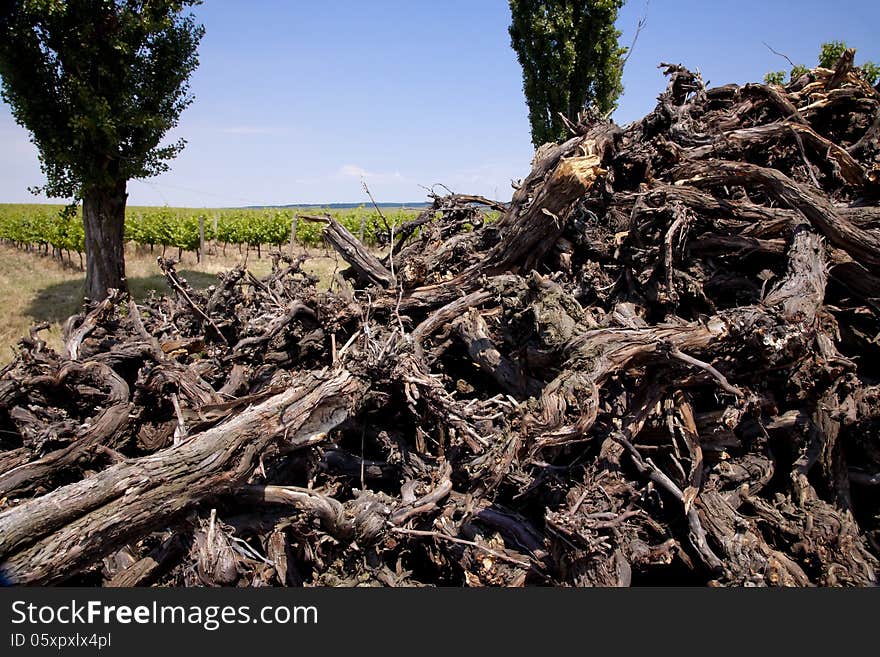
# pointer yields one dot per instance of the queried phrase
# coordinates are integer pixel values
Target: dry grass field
(38, 288)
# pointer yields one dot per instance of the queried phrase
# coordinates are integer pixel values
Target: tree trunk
(104, 222)
(131, 497)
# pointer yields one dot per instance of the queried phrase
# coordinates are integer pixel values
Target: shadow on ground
(55, 303)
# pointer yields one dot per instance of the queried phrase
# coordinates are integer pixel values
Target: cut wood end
(579, 172)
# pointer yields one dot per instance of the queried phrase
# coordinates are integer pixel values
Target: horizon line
(354, 204)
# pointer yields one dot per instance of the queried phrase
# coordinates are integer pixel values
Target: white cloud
(246, 130)
(353, 170)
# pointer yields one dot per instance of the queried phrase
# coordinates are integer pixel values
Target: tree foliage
(570, 56)
(98, 83)
(829, 54)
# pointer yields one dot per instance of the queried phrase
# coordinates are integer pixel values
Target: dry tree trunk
(47, 538)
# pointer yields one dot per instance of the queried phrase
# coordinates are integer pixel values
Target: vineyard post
(293, 226)
(363, 226)
(201, 238)
(214, 239)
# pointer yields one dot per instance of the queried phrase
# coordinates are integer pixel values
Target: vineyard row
(45, 228)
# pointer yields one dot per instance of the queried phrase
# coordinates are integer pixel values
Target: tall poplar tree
(570, 57)
(98, 83)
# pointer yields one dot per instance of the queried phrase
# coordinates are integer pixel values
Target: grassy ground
(38, 288)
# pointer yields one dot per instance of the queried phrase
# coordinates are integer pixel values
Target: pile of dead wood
(660, 364)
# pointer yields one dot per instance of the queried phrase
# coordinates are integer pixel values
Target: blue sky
(296, 102)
